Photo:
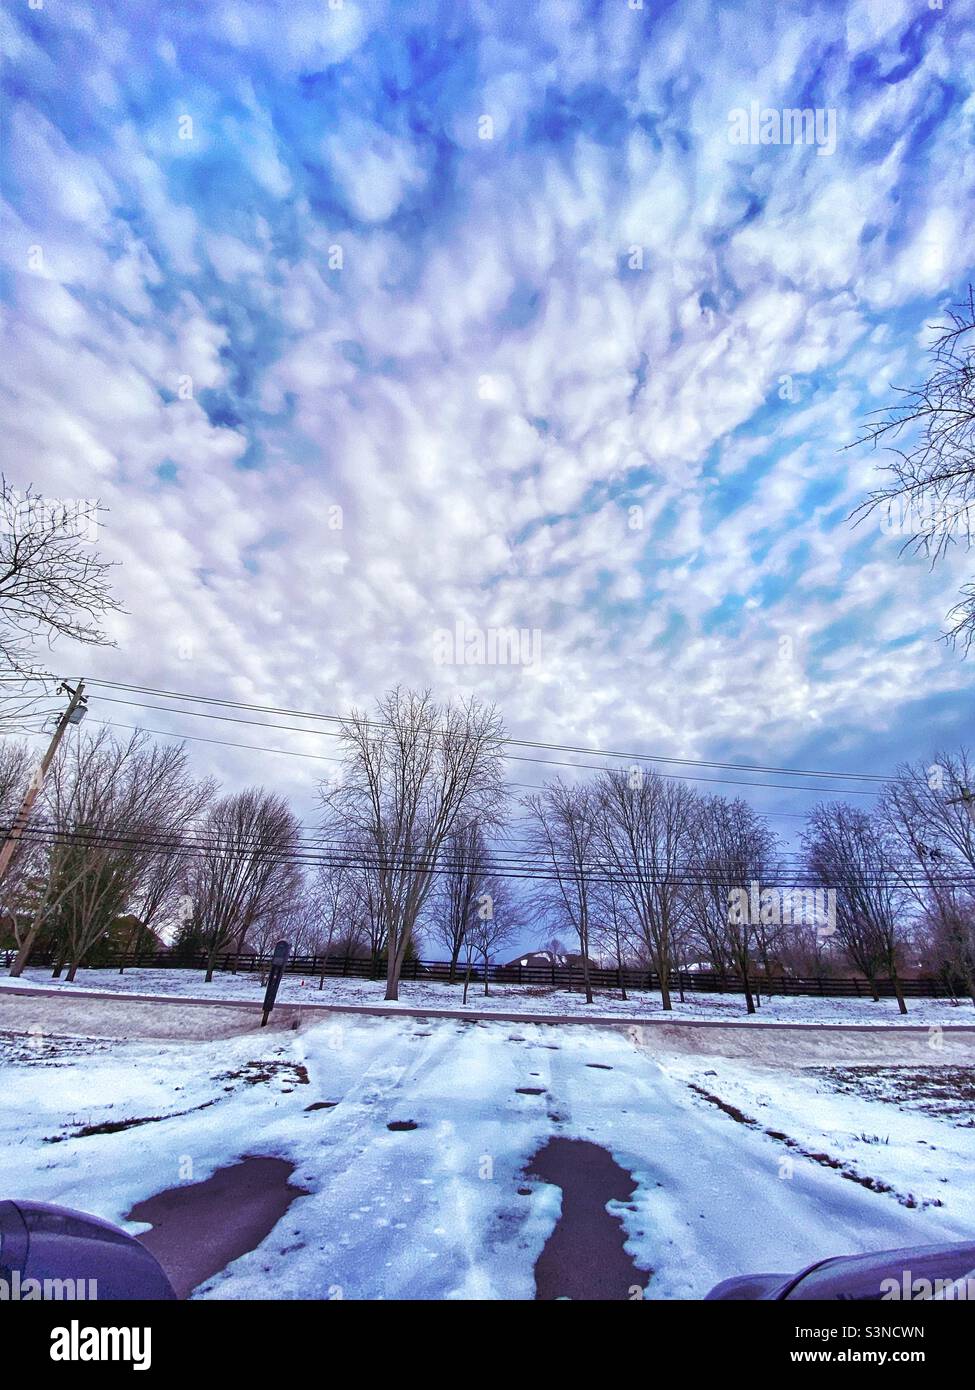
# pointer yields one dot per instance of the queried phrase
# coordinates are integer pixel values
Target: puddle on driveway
(199, 1228)
(584, 1256)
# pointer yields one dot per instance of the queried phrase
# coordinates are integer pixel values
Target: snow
(523, 999)
(435, 1212)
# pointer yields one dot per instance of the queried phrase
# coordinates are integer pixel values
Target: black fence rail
(540, 976)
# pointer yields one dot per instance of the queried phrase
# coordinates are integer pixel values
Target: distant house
(544, 960)
(538, 959)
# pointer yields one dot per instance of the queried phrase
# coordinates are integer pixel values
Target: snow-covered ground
(436, 1211)
(509, 998)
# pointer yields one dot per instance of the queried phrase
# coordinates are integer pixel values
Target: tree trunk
(72, 971)
(767, 968)
(328, 947)
(898, 990)
(967, 975)
(749, 1001)
(394, 962)
(27, 946)
(664, 973)
(240, 947)
(453, 967)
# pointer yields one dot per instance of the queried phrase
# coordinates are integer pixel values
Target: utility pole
(72, 715)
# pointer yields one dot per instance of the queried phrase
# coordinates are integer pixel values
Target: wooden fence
(541, 976)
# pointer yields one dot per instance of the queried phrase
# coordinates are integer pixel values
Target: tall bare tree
(648, 826)
(733, 848)
(454, 900)
(932, 819)
(854, 853)
(613, 931)
(245, 869)
(178, 817)
(413, 775)
(563, 832)
(112, 804)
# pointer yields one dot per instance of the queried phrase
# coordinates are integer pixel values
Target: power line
(548, 762)
(510, 742)
(597, 872)
(167, 733)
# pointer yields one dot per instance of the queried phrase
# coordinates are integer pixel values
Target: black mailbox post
(278, 961)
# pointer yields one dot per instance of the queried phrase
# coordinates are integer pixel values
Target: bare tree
(945, 939)
(563, 831)
(613, 932)
(162, 886)
(412, 777)
(111, 806)
(17, 766)
(52, 584)
(287, 916)
(648, 826)
(495, 921)
(338, 907)
(17, 762)
(931, 806)
(806, 950)
(931, 820)
(346, 897)
(245, 868)
(368, 922)
(853, 852)
(733, 849)
(931, 489)
(454, 899)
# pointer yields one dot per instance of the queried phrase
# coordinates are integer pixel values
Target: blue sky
(492, 286)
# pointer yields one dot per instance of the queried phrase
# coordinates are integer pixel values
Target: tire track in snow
(718, 1199)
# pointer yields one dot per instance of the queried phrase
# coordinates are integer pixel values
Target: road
(108, 1014)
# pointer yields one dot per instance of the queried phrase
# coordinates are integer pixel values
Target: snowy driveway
(435, 1211)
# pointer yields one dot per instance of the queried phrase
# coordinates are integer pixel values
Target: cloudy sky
(365, 320)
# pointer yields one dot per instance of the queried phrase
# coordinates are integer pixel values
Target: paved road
(107, 1014)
